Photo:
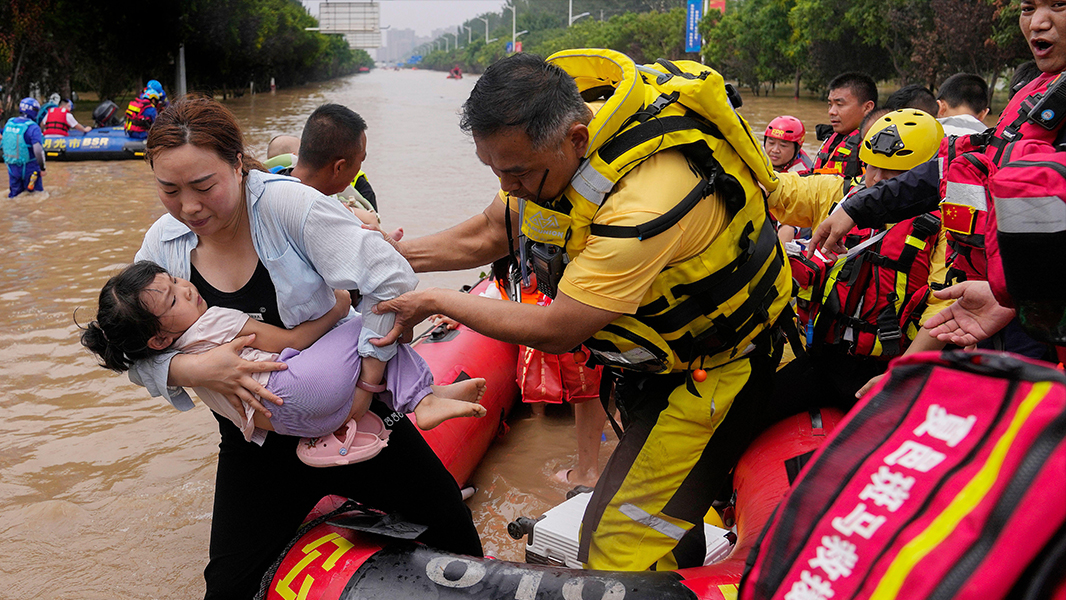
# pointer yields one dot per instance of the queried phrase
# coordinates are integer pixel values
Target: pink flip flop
(328, 451)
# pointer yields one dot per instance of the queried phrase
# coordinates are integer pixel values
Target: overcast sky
(426, 15)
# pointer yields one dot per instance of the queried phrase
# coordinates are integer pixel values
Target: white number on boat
(528, 584)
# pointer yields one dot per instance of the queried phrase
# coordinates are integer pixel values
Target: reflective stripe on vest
(135, 119)
(1031, 215)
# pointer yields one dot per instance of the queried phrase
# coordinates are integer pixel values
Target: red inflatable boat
(462, 353)
(330, 560)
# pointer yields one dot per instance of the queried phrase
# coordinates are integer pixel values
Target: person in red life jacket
(1043, 23)
(851, 97)
(60, 120)
(962, 104)
(555, 378)
(1027, 220)
(783, 143)
(545, 378)
(141, 113)
(862, 308)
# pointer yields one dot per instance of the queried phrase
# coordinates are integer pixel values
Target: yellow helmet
(901, 140)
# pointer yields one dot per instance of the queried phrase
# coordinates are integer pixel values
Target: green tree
(752, 42)
(20, 56)
(829, 42)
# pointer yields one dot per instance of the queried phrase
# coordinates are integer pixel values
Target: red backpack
(965, 170)
(968, 162)
(871, 298)
(926, 492)
(1028, 251)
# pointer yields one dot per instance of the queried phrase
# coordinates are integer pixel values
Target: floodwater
(105, 492)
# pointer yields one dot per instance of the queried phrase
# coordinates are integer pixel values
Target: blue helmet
(29, 107)
(157, 88)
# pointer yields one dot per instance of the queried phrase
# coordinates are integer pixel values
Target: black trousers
(262, 494)
(826, 377)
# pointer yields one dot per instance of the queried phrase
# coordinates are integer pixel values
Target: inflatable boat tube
(462, 353)
(328, 561)
(103, 143)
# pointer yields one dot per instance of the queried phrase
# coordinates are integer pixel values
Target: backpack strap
(659, 224)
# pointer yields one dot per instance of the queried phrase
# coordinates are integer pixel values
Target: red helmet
(786, 127)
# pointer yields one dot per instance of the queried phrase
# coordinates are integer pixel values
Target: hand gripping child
(144, 311)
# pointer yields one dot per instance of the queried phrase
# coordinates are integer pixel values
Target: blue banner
(692, 34)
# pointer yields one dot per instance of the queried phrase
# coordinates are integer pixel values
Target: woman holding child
(276, 249)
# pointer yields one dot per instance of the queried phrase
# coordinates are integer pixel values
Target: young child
(144, 310)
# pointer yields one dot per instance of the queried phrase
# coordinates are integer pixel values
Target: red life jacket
(55, 122)
(801, 163)
(136, 122)
(968, 162)
(839, 155)
(1027, 239)
(873, 297)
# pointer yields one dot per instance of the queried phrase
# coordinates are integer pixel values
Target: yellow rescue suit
(713, 311)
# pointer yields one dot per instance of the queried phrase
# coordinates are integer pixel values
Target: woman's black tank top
(258, 298)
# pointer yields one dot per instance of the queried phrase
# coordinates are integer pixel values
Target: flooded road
(105, 492)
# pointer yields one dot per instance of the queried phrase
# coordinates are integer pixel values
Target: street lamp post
(570, 15)
(454, 36)
(469, 32)
(486, 28)
(514, 18)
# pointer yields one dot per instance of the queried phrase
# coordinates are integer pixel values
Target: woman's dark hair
(524, 91)
(204, 123)
(119, 335)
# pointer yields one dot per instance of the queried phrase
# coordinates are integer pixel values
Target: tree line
(643, 29)
(760, 43)
(807, 42)
(112, 48)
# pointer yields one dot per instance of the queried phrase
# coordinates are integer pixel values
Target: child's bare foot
(461, 400)
(467, 390)
(434, 410)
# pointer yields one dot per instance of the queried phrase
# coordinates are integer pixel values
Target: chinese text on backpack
(16, 152)
(947, 481)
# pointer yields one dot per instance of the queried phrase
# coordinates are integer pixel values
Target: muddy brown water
(105, 492)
